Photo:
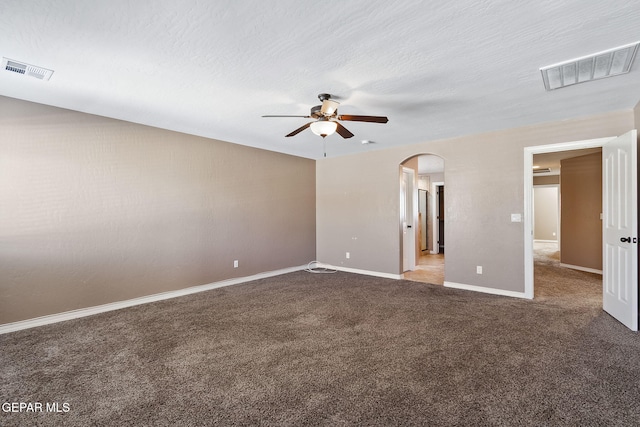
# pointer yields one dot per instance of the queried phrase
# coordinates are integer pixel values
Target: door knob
(625, 239)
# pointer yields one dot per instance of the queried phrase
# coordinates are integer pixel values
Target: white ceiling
(436, 69)
(428, 164)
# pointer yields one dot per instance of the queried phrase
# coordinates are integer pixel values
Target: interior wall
(95, 210)
(357, 200)
(581, 183)
(545, 213)
(636, 116)
(546, 179)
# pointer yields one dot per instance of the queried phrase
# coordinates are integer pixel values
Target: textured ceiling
(436, 69)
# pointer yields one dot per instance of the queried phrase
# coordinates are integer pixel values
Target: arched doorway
(422, 232)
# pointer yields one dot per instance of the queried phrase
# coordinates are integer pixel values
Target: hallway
(429, 269)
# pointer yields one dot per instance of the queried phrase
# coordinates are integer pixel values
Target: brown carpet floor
(333, 349)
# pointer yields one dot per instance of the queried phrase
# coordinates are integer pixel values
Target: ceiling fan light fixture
(324, 127)
(329, 107)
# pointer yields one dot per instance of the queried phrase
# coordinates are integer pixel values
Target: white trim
(528, 197)
(89, 311)
(482, 289)
(358, 271)
(544, 241)
(411, 194)
(577, 267)
(435, 226)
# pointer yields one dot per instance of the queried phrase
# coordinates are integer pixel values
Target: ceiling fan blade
(343, 131)
(300, 129)
(372, 119)
(329, 107)
(305, 117)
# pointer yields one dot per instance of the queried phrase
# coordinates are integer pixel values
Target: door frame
(528, 197)
(436, 219)
(409, 241)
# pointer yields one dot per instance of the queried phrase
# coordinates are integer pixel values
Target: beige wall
(546, 180)
(358, 200)
(94, 210)
(581, 184)
(545, 213)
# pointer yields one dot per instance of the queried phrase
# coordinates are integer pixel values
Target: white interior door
(408, 220)
(620, 229)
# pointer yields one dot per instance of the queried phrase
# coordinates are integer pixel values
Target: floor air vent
(26, 69)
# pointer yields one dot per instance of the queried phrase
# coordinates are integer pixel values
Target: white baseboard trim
(486, 290)
(577, 267)
(89, 311)
(358, 271)
(544, 241)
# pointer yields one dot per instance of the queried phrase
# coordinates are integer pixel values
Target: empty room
(220, 213)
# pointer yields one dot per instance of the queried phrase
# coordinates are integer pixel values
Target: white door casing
(528, 198)
(620, 229)
(407, 218)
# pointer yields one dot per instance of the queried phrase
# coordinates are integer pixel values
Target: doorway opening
(567, 229)
(427, 220)
(541, 152)
(619, 206)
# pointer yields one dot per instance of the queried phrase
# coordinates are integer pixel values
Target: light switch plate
(516, 217)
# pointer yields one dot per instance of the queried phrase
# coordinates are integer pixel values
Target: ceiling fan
(327, 117)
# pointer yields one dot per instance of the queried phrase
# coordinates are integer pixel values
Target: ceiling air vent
(608, 63)
(542, 170)
(26, 69)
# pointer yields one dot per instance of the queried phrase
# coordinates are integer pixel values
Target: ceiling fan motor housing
(315, 111)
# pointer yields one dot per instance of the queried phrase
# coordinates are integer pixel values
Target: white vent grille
(542, 170)
(608, 63)
(26, 69)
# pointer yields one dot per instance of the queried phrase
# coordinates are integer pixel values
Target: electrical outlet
(348, 255)
(235, 263)
(479, 269)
